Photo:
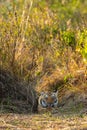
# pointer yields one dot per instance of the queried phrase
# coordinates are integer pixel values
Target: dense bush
(38, 37)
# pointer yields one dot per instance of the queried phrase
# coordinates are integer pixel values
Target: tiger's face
(48, 100)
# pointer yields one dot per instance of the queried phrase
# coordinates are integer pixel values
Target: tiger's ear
(42, 93)
(56, 92)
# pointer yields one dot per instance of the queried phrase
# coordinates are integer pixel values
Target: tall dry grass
(35, 44)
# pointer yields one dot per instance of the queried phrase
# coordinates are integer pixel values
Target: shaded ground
(45, 121)
(16, 95)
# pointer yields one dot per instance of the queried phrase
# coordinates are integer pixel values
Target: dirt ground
(46, 121)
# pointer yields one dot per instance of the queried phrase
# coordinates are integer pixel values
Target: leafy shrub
(69, 38)
(82, 43)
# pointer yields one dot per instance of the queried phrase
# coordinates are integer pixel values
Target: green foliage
(82, 43)
(33, 31)
(69, 38)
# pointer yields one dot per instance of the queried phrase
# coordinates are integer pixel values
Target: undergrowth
(45, 42)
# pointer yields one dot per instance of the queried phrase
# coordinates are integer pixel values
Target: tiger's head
(48, 100)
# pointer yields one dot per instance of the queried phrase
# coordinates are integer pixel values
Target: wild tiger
(47, 101)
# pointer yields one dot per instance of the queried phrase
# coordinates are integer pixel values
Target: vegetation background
(43, 43)
(39, 36)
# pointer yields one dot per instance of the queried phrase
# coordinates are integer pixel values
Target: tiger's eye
(46, 96)
(53, 96)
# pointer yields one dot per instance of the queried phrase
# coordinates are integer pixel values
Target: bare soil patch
(45, 121)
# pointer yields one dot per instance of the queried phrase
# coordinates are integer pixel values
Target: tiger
(47, 101)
